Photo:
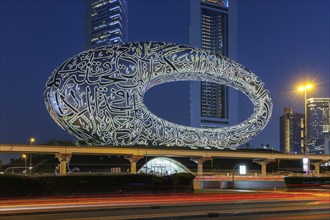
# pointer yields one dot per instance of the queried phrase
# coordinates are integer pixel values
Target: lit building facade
(213, 26)
(318, 126)
(105, 105)
(163, 166)
(106, 22)
(291, 132)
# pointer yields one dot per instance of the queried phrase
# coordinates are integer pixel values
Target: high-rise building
(291, 132)
(318, 124)
(106, 22)
(213, 26)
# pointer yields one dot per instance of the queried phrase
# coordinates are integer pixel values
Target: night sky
(281, 41)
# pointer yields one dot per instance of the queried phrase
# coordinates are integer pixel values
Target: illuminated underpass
(163, 166)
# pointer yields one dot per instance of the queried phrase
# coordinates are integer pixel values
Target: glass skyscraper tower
(106, 22)
(213, 26)
(318, 125)
(291, 132)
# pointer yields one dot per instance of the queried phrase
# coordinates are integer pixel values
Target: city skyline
(292, 126)
(32, 50)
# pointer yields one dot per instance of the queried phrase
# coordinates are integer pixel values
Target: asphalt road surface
(238, 205)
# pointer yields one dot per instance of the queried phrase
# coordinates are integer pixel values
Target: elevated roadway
(133, 154)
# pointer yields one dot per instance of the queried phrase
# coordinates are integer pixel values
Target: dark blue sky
(282, 41)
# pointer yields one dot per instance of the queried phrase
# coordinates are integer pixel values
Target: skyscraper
(318, 124)
(213, 26)
(106, 22)
(291, 131)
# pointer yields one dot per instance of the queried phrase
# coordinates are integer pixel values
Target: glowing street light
(24, 156)
(304, 88)
(32, 140)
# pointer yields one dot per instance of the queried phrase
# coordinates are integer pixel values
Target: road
(224, 205)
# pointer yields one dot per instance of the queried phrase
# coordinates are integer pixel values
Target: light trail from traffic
(225, 204)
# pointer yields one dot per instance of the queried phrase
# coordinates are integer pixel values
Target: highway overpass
(133, 154)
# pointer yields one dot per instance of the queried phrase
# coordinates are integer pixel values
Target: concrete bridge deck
(133, 154)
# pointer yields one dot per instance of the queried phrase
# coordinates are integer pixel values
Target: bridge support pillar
(64, 160)
(200, 161)
(133, 159)
(263, 163)
(317, 166)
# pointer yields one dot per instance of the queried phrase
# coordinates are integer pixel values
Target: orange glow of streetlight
(32, 140)
(24, 156)
(305, 87)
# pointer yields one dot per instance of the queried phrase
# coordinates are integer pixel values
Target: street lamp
(32, 140)
(304, 88)
(24, 156)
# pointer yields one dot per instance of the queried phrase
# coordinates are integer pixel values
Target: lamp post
(32, 140)
(304, 88)
(24, 156)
